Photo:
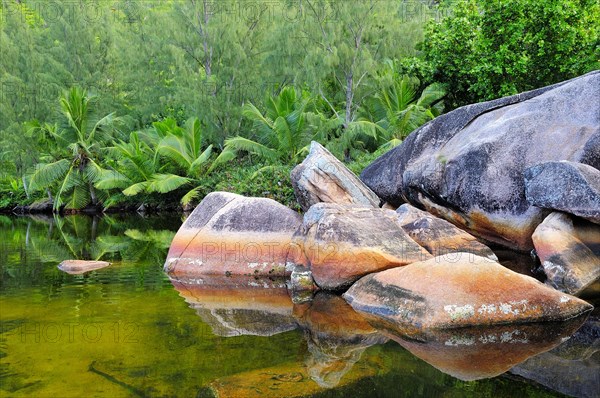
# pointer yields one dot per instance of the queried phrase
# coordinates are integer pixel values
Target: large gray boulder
(467, 165)
(321, 177)
(341, 243)
(566, 186)
(229, 234)
(569, 250)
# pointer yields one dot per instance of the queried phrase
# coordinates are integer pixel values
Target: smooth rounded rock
(321, 177)
(569, 250)
(341, 243)
(566, 186)
(460, 291)
(81, 266)
(229, 234)
(438, 236)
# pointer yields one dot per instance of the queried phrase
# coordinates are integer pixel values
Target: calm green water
(126, 331)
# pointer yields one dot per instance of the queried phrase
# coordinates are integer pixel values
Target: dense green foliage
(493, 48)
(122, 103)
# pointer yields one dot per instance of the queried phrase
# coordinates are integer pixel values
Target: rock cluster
(521, 172)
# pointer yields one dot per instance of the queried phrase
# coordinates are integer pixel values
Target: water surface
(128, 331)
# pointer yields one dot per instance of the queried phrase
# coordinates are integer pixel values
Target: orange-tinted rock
(336, 336)
(460, 291)
(229, 234)
(483, 352)
(76, 267)
(569, 250)
(321, 177)
(236, 305)
(341, 243)
(439, 236)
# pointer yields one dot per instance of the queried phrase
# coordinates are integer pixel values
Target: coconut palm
(70, 174)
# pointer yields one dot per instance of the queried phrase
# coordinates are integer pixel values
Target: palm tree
(282, 133)
(134, 163)
(397, 111)
(167, 159)
(71, 174)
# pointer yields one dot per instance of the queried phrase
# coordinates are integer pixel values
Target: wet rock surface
(229, 234)
(569, 250)
(321, 177)
(566, 186)
(467, 165)
(438, 236)
(341, 243)
(462, 291)
(81, 266)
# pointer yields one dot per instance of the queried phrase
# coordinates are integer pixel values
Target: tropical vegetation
(114, 105)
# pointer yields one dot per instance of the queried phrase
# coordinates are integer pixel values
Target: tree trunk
(208, 51)
(94, 227)
(93, 194)
(348, 115)
(25, 187)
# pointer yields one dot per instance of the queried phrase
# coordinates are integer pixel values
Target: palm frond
(111, 179)
(164, 183)
(431, 94)
(173, 148)
(243, 144)
(193, 135)
(102, 124)
(71, 180)
(136, 188)
(79, 198)
(200, 160)
(191, 195)
(262, 124)
(45, 175)
(225, 156)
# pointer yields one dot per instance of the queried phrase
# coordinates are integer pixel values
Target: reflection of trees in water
(33, 246)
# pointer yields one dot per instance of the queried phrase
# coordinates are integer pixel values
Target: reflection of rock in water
(336, 337)
(573, 368)
(482, 352)
(235, 306)
(329, 361)
(284, 380)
